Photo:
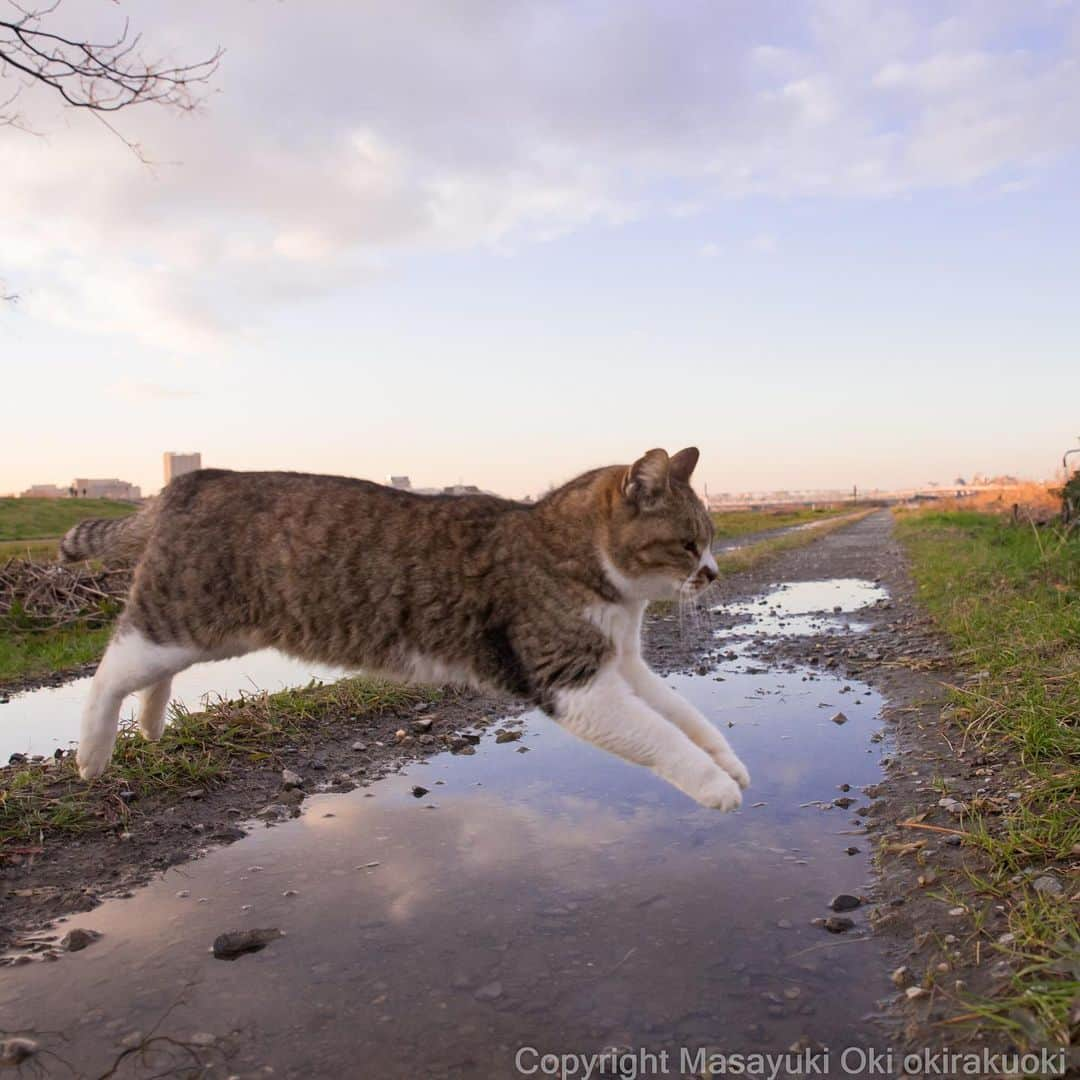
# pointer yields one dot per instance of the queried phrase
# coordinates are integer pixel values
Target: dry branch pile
(37, 596)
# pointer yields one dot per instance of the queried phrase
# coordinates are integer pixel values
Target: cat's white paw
(718, 792)
(93, 760)
(735, 769)
(726, 759)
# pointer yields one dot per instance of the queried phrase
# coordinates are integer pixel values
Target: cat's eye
(691, 547)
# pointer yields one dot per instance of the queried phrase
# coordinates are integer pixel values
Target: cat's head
(659, 535)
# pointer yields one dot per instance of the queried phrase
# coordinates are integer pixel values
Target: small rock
(784, 924)
(290, 779)
(914, 992)
(844, 902)
(237, 942)
(839, 718)
(201, 1038)
(489, 991)
(505, 736)
(1047, 885)
(851, 850)
(957, 911)
(901, 976)
(419, 792)
(16, 1050)
(953, 841)
(359, 746)
(953, 806)
(844, 801)
(77, 939)
(183, 894)
(838, 924)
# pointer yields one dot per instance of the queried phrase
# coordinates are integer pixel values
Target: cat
(542, 600)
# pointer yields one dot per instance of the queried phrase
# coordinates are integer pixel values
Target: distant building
(461, 489)
(45, 491)
(402, 483)
(178, 464)
(83, 488)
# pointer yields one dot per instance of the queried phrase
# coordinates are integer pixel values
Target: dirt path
(549, 896)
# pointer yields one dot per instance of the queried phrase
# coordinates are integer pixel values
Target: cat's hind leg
(131, 662)
(608, 713)
(153, 704)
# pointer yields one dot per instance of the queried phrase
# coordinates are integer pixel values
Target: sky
(499, 242)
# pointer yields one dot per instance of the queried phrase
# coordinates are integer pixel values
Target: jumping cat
(544, 600)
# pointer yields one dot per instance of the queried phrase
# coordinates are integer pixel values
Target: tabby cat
(544, 600)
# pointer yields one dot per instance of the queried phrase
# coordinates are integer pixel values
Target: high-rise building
(178, 464)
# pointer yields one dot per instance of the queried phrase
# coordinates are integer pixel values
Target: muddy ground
(899, 654)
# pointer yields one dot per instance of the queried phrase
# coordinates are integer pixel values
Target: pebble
(16, 1050)
(418, 791)
(359, 746)
(901, 976)
(839, 718)
(851, 850)
(838, 924)
(914, 992)
(183, 894)
(1047, 885)
(506, 736)
(291, 779)
(77, 939)
(958, 911)
(844, 902)
(489, 991)
(202, 1038)
(237, 942)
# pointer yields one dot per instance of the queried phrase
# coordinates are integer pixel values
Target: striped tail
(109, 539)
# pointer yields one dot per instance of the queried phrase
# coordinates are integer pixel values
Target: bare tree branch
(101, 77)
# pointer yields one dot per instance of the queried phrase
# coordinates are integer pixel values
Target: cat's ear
(647, 479)
(683, 464)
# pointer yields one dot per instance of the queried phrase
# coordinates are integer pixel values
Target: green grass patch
(32, 519)
(30, 549)
(26, 655)
(731, 524)
(48, 800)
(1008, 596)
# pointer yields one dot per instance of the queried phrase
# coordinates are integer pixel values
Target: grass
(1008, 596)
(744, 558)
(48, 801)
(32, 654)
(30, 549)
(734, 523)
(34, 519)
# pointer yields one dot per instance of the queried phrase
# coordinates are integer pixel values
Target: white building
(44, 491)
(178, 464)
(85, 488)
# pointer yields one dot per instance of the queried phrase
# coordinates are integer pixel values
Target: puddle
(799, 608)
(39, 721)
(558, 899)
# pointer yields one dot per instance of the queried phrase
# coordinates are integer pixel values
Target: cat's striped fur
(543, 600)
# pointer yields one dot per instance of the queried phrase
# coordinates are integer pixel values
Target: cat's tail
(113, 540)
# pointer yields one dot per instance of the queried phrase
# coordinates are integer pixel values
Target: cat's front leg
(649, 686)
(608, 713)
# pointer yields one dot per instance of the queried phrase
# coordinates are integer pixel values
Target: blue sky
(827, 242)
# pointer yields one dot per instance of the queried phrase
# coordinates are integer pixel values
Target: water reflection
(40, 721)
(557, 898)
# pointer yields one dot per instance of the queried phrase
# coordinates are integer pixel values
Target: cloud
(134, 390)
(709, 250)
(338, 145)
